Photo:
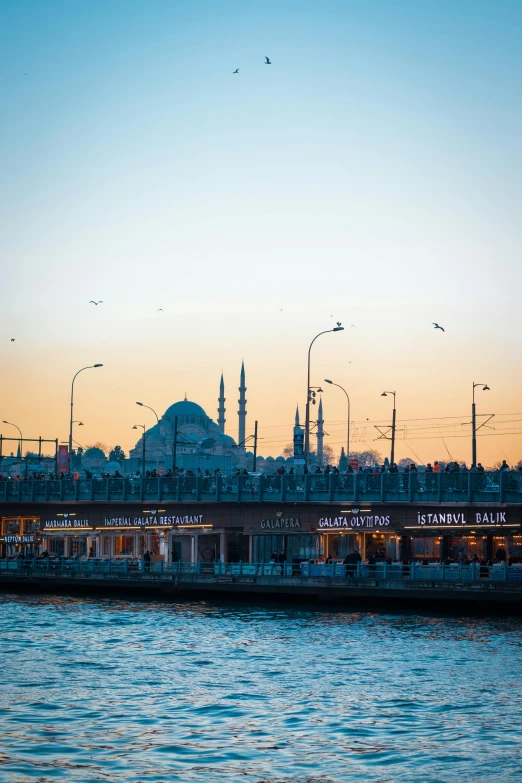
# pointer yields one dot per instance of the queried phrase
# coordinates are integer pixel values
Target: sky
(370, 175)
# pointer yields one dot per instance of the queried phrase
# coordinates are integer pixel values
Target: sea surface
(116, 690)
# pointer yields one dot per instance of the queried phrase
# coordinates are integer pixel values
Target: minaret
(297, 416)
(242, 408)
(221, 410)
(320, 434)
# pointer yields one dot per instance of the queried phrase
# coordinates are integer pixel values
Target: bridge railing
(331, 572)
(491, 487)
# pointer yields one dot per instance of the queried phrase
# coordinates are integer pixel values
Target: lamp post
(485, 387)
(21, 440)
(90, 367)
(385, 394)
(143, 447)
(348, 432)
(338, 328)
(150, 409)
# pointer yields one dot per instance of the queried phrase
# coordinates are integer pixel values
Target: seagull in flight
(160, 310)
(236, 71)
(338, 323)
(96, 303)
(267, 61)
(437, 326)
(12, 339)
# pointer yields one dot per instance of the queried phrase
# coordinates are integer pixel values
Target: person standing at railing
(146, 562)
(500, 554)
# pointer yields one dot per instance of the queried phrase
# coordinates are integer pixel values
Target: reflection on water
(126, 691)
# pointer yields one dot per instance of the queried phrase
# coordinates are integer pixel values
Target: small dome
(94, 453)
(250, 454)
(261, 458)
(113, 465)
(279, 459)
(228, 439)
(270, 459)
(185, 408)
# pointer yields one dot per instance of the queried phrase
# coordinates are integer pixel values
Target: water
(108, 690)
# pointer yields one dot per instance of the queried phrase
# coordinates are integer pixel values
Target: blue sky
(373, 171)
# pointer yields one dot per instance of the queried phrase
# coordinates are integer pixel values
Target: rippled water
(108, 690)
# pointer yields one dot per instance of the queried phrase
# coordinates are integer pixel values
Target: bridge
(489, 487)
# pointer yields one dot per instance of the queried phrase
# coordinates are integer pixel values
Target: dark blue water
(107, 690)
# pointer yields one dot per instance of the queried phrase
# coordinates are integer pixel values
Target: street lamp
(337, 328)
(143, 447)
(485, 387)
(392, 458)
(150, 409)
(90, 367)
(21, 438)
(347, 397)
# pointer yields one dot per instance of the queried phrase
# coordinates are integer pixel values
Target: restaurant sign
(66, 523)
(154, 520)
(365, 521)
(280, 523)
(19, 539)
(472, 518)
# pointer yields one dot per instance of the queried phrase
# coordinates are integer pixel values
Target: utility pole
(255, 447)
(337, 328)
(175, 445)
(485, 387)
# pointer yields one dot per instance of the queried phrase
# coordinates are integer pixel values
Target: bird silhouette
(160, 309)
(91, 301)
(236, 71)
(338, 323)
(267, 61)
(12, 339)
(437, 326)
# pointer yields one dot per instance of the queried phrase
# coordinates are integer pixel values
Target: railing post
(358, 569)
(77, 489)
(306, 485)
(385, 569)
(412, 569)
(470, 487)
(410, 486)
(383, 487)
(284, 486)
(108, 489)
(125, 487)
(218, 488)
(178, 488)
(502, 486)
(239, 487)
(330, 486)
(126, 567)
(443, 570)
(356, 486)
(240, 567)
(505, 571)
(439, 486)
(260, 488)
(91, 482)
(32, 489)
(141, 488)
(198, 487)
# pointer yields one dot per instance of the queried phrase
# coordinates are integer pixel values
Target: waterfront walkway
(474, 583)
(492, 487)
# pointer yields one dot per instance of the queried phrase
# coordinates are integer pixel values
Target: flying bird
(160, 309)
(437, 326)
(12, 339)
(267, 61)
(236, 71)
(91, 301)
(338, 323)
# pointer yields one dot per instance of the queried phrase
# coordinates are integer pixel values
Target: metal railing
(492, 487)
(305, 571)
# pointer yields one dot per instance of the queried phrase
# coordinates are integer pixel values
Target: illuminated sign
(280, 523)
(368, 522)
(154, 520)
(462, 518)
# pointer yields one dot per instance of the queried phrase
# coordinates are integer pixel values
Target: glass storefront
(278, 548)
(426, 548)
(124, 545)
(56, 546)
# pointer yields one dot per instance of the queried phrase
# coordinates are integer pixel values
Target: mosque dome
(228, 439)
(185, 408)
(270, 459)
(94, 453)
(112, 465)
(280, 459)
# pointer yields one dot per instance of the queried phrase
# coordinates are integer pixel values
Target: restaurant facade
(259, 533)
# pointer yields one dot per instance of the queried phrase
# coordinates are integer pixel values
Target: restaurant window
(124, 545)
(301, 547)
(78, 546)
(12, 527)
(56, 546)
(31, 526)
(514, 548)
(154, 544)
(142, 548)
(468, 546)
(425, 548)
(340, 545)
(267, 548)
(106, 546)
